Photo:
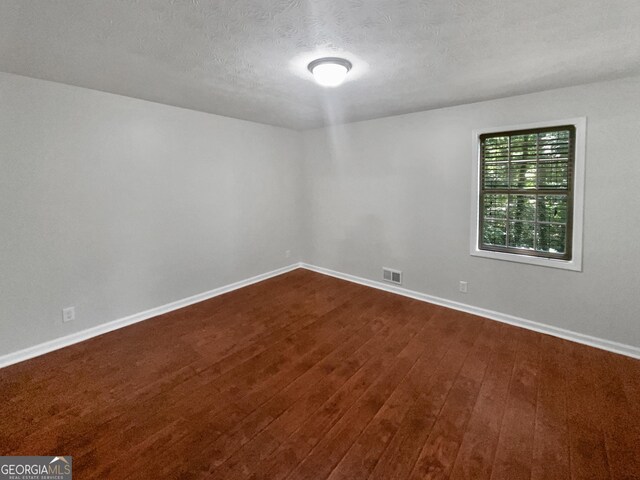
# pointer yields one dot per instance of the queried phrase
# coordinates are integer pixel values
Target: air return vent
(393, 276)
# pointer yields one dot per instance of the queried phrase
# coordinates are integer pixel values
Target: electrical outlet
(68, 314)
(287, 253)
(463, 287)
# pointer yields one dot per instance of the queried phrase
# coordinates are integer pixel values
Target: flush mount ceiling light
(329, 71)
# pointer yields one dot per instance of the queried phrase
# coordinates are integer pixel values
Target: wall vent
(393, 276)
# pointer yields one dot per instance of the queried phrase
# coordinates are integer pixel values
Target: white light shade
(329, 72)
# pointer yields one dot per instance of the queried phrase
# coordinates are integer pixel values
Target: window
(525, 194)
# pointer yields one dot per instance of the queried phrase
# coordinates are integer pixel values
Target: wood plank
(441, 447)
(477, 451)
(398, 459)
(363, 455)
(270, 402)
(620, 423)
(515, 444)
(551, 438)
(279, 461)
(252, 382)
(337, 441)
(586, 436)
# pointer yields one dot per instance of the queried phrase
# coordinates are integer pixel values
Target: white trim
(621, 348)
(575, 263)
(51, 345)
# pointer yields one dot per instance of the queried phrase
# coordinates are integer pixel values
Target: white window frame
(575, 263)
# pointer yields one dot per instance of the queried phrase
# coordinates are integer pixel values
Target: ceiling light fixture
(329, 71)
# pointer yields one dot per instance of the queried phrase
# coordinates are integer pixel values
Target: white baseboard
(46, 347)
(51, 345)
(621, 348)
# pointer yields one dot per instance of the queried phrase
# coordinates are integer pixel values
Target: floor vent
(393, 276)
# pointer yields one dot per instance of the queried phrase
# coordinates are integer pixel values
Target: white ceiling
(247, 58)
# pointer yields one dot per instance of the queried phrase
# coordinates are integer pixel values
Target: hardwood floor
(304, 376)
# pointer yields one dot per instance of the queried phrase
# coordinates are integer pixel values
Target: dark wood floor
(304, 376)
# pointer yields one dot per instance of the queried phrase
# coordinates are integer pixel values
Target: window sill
(573, 265)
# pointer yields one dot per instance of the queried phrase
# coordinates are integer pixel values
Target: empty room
(319, 239)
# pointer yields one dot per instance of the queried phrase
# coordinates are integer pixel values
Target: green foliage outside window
(526, 191)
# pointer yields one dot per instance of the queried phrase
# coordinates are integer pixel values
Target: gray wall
(395, 192)
(117, 205)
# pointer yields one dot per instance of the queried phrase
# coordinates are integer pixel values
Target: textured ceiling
(247, 58)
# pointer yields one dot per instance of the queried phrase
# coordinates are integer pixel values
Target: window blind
(526, 191)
